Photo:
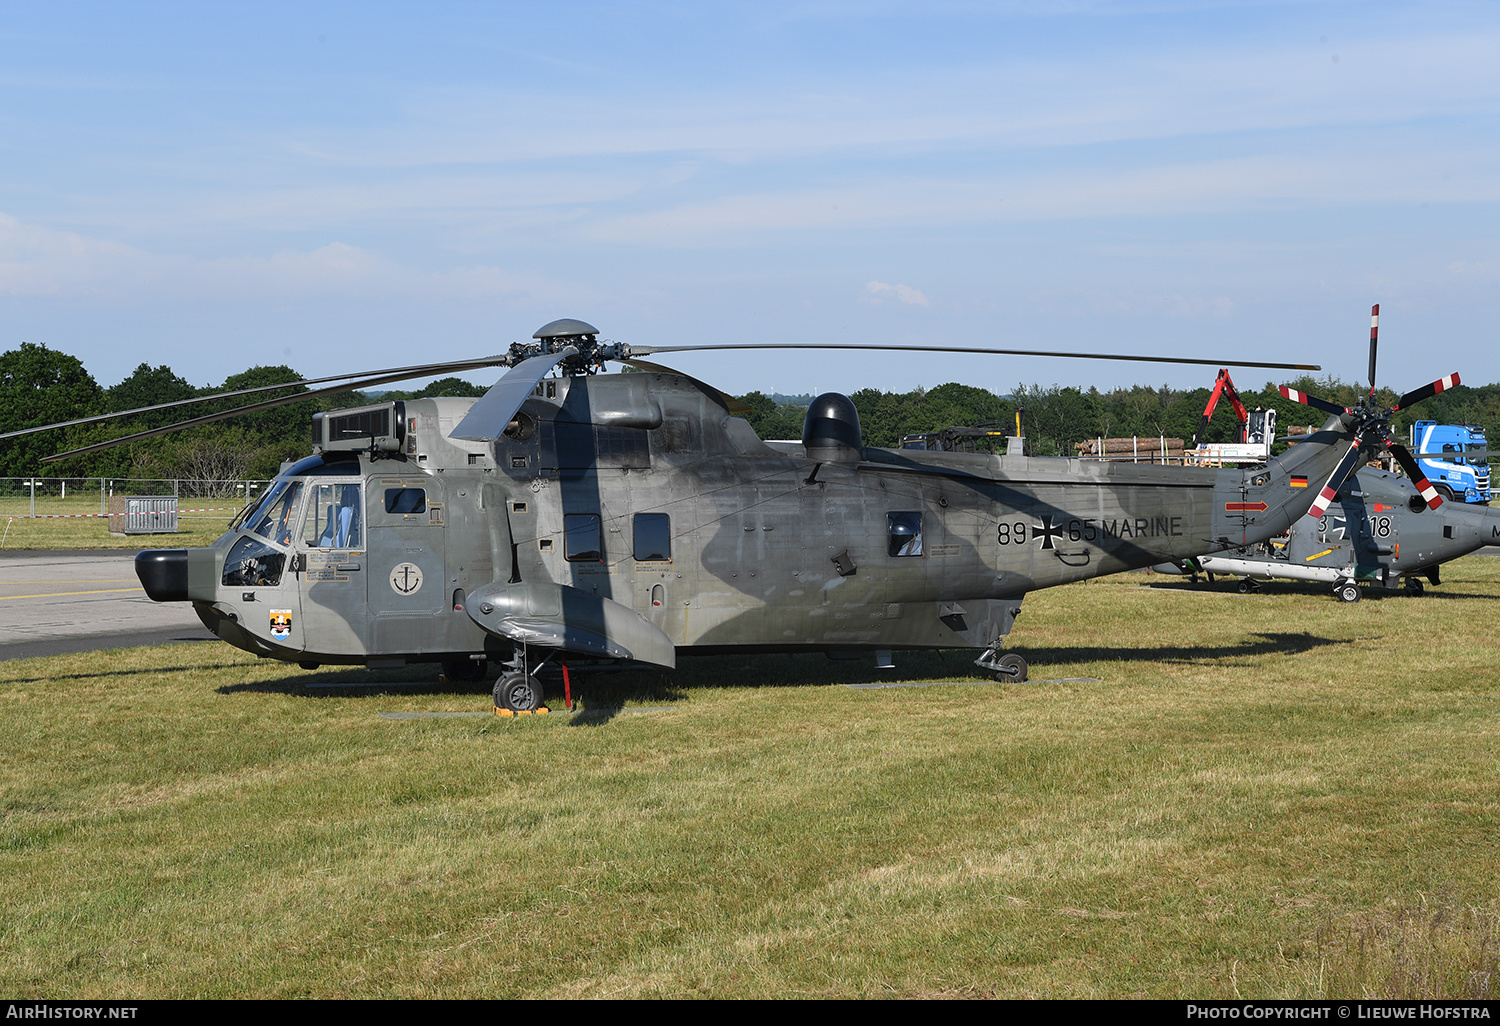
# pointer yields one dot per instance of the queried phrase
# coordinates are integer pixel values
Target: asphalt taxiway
(52, 603)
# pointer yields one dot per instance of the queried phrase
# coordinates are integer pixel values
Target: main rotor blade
(492, 413)
(1374, 337)
(1414, 473)
(1312, 400)
(1416, 395)
(1335, 480)
(266, 404)
(652, 350)
(422, 371)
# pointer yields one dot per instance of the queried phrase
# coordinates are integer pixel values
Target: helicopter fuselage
(631, 517)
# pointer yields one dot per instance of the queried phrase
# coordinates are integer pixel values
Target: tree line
(40, 386)
(1055, 419)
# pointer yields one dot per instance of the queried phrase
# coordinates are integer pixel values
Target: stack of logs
(1144, 448)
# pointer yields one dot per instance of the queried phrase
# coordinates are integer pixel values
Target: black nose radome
(163, 573)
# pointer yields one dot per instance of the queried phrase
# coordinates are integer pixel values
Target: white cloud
(1151, 94)
(43, 262)
(1243, 185)
(905, 293)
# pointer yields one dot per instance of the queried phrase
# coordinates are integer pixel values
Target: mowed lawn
(1260, 796)
(75, 523)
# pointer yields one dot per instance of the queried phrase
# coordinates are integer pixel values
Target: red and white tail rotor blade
(1311, 400)
(1331, 489)
(1414, 474)
(1416, 395)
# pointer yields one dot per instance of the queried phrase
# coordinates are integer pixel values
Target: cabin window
(904, 534)
(406, 500)
(333, 518)
(581, 538)
(653, 536)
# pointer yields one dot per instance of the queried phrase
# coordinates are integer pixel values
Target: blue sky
(349, 186)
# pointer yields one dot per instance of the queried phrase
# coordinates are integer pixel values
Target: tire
(1413, 586)
(1245, 587)
(1346, 591)
(1011, 669)
(518, 692)
(466, 670)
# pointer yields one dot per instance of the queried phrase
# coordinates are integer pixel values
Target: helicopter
(1355, 531)
(1377, 530)
(630, 518)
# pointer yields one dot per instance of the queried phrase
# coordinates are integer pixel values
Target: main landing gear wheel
(466, 670)
(1346, 591)
(1247, 586)
(1010, 668)
(518, 692)
(1413, 586)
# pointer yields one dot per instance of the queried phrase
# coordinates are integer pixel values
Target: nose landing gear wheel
(1413, 586)
(1346, 591)
(518, 692)
(1010, 668)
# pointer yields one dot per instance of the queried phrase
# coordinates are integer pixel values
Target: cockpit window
(253, 564)
(333, 518)
(329, 464)
(276, 517)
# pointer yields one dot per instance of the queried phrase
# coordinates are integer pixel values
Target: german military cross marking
(1047, 532)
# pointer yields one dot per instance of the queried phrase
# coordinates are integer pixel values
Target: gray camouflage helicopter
(633, 518)
(1377, 530)
(1374, 526)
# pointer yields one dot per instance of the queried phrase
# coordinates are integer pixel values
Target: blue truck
(1455, 475)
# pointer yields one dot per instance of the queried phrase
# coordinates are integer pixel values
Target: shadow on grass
(1287, 644)
(149, 671)
(601, 693)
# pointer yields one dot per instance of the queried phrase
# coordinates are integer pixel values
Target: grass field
(1257, 796)
(55, 528)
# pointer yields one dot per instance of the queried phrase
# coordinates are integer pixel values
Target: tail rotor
(1372, 429)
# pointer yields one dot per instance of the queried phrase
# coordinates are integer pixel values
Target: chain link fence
(89, 496)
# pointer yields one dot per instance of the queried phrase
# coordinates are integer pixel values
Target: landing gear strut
(1007, 668)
